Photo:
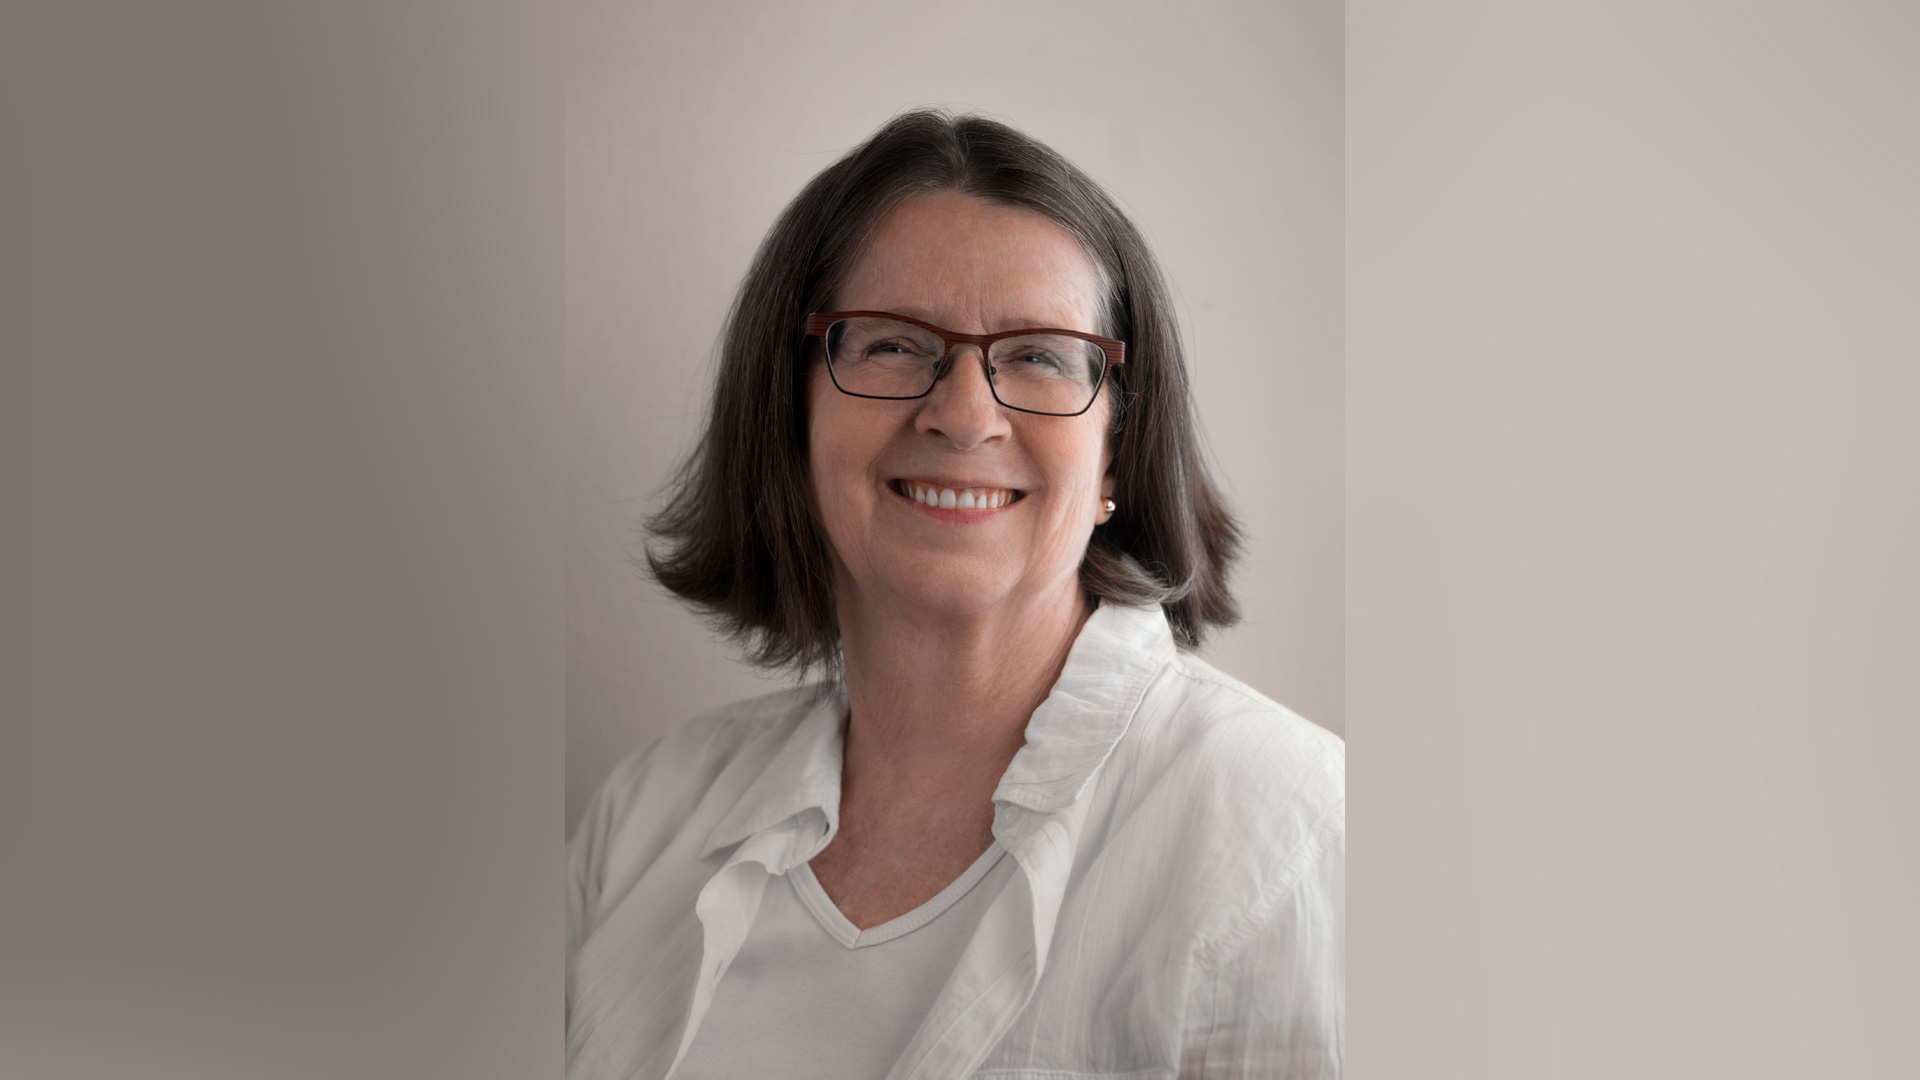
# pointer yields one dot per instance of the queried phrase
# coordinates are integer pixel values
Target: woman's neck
(941, 701)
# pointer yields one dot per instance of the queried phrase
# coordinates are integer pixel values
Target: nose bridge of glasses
(955, 345)
(965, 363)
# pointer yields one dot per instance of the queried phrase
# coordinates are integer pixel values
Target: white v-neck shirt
(810, 995)
(1172, 904)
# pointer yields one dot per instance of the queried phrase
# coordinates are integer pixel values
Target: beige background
(690, 126)
(1633, 497)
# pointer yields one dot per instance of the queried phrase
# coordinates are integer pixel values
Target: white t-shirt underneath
(811, 995)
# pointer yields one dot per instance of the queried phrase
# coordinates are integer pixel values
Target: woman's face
(976, 267)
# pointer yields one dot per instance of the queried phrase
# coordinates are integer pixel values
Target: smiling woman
(1017, 827)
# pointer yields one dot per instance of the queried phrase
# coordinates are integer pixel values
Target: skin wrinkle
(952, 634)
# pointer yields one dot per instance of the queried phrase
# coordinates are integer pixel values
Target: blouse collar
(802, 781)
(1118, 652)
(1071, 734)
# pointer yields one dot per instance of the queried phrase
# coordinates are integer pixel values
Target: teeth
(949, 499)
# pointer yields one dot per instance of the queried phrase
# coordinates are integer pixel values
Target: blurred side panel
(283, 765)
(1634, 539)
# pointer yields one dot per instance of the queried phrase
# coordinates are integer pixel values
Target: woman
(1018, 830)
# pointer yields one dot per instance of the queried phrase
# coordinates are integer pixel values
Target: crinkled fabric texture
(1177, 909)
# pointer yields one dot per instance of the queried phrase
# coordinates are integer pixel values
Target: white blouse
(1174, 907)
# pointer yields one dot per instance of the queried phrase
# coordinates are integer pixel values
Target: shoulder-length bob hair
(736, 538)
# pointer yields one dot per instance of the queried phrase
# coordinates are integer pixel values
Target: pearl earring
(1110, 506)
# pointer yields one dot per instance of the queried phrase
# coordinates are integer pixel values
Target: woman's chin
(964, 595)
(947, 587)
(960, 599)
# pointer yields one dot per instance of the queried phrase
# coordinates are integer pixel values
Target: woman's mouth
(941, 497)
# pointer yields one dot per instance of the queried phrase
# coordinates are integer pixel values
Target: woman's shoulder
(1238, 802)
(695, 760)
(1229, 763)
(1250, 747)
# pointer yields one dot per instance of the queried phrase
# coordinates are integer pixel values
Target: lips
(943, 497)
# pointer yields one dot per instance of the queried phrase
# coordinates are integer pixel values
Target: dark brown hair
(736, 539)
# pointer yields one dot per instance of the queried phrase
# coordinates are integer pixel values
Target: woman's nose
(961, 406)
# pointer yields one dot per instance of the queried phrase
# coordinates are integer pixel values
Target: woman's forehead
(948, 255)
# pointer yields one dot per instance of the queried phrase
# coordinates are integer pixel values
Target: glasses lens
(1049, 373)
(883, 357)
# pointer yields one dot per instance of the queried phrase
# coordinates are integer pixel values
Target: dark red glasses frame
(1115, 351)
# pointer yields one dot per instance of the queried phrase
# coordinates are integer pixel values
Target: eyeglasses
(877, 354)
